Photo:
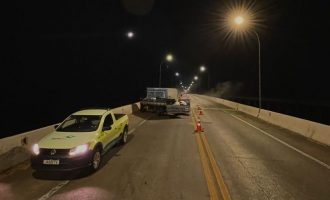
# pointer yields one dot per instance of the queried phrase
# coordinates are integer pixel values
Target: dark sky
(59, 56)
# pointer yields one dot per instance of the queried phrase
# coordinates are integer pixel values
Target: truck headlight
(35, 149)
(81, 149)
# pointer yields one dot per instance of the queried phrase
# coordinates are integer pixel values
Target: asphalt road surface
(236, 157)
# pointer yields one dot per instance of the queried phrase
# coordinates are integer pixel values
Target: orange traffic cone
(199, 126)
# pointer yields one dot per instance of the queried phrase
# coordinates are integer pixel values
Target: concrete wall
(312, 130)
(15, 149)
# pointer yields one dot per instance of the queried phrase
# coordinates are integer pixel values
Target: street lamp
(203, 69)
(241, 22)
(196, 78)
(130, 34)
(169, 58)
(177, 74)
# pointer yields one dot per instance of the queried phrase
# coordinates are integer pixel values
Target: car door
(119, 126)
(108, 130)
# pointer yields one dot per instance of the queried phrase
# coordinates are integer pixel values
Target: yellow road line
(203, 146)
(205, 165)
(206, 169)
(216, 170)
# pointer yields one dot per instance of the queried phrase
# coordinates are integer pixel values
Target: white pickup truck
(80, 140)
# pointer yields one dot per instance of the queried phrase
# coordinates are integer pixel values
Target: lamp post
(169, 58)
(242, 22)
(203, 69)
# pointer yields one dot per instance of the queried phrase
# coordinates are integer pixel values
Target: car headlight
(35, 149)
(81, 149)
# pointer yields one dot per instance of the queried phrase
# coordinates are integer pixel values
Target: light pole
(259, 69)
(169, 58)
(203, 69)
(240, 23)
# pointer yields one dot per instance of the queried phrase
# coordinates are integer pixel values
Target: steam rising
(226, 90)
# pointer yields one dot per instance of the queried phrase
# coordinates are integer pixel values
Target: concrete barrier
(248, 109)
(16, 149)
(309, 129)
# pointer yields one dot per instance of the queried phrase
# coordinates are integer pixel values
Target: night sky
(60, 56)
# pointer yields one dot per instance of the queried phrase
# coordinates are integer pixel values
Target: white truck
(164, 101)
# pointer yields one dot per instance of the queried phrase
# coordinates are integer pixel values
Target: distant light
(196, 78)
(202, 68)
(130, 34)
(169, 57)
(177, 74)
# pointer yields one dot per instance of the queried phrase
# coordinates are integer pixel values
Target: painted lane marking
(205, 164)
(205, 147)
(216, 170)
(284, 143)
(131, 131)
(139, 124)
(206, 169)
(53, 190)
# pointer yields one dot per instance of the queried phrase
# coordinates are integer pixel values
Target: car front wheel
(124, 136)
(96, 159)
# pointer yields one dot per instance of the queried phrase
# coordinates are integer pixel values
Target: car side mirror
(56, 126)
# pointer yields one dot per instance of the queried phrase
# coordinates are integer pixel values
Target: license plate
(51, 162)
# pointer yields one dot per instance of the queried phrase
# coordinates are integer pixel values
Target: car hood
(65, 140)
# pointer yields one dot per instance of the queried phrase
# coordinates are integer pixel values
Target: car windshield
(80, 123)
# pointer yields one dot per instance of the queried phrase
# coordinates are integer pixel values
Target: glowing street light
(240, 21)
(169, 58)
(130, 34)
(196, 78)
(177, 74)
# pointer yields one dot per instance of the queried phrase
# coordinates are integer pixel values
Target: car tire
(124, 136)
(96, 159)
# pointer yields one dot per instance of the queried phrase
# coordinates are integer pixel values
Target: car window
(108, 121)
(80, 123)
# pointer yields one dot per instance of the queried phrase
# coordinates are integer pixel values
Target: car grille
(57, 152)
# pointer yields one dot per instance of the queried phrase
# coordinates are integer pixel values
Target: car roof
(91, 112)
